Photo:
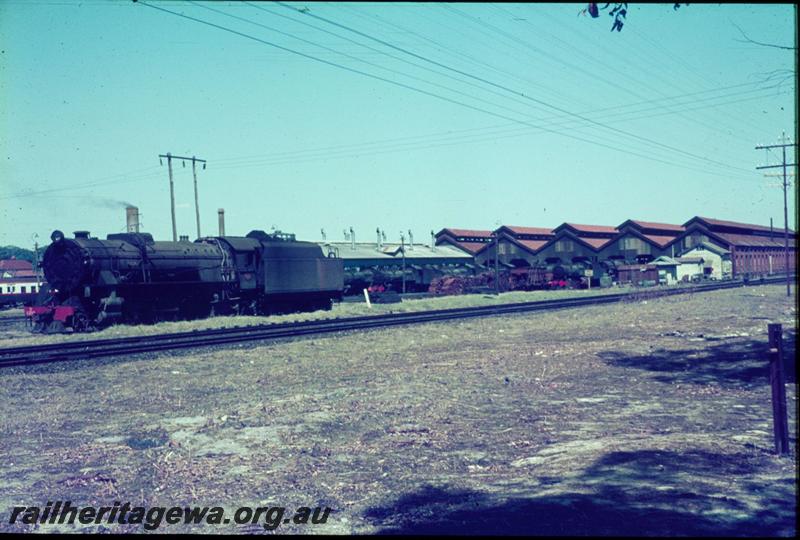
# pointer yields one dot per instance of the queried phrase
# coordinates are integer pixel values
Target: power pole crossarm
(784, 144)
(194, 161)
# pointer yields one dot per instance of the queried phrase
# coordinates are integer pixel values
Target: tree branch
(758, 42)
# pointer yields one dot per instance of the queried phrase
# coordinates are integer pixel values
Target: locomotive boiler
(131, 278)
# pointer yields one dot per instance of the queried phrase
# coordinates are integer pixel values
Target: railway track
(15, 356)
(12, 321)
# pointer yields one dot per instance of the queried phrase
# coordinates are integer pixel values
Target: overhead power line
(653, 87)
(364, 148)
(431, 94)
(370, 148)
(507, 89)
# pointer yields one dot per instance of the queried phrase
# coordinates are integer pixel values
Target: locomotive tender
(131, 278)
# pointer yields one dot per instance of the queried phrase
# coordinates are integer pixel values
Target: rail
(53, 352)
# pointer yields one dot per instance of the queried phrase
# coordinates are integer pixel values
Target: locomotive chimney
(221, 214)
(82, 234)
(132, 219)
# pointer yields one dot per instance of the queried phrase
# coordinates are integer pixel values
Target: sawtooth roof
(735, 224)
(655, 225)
(606, 229)
(528, 230)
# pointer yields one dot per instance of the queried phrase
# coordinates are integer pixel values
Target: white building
(716, 260)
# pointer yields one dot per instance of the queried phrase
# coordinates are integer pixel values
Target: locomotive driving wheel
(80, 322)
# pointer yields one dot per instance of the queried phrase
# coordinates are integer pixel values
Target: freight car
(131, 278)
(418, 278)
(549, 276)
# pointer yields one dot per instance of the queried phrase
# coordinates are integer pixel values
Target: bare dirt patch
(648, 417)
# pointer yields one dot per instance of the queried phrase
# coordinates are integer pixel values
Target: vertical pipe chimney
(378, 231)
(770, 226)
(132, 219)
(352, 239)
(433, 241)
(221, 214)
(410, 239)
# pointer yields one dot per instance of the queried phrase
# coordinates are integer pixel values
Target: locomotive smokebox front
(65, 263)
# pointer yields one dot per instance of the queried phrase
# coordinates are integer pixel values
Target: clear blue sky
(558, 119)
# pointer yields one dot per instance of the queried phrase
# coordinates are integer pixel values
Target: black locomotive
(131, 278)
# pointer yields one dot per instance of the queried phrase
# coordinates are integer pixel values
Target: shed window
(564, 245)
(633, 243)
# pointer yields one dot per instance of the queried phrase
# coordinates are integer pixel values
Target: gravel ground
(644, 417)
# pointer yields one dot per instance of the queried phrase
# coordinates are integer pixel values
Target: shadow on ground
(652, 493)
(732, 362)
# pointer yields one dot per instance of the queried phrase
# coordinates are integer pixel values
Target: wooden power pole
(784, 144)
(194, 161)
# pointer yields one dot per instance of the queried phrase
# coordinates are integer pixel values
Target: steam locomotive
(131, 278)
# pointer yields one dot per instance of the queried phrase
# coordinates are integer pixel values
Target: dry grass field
(643, 417)
(20, 335)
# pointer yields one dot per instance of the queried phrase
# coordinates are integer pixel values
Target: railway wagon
(134, 279)
(638, 274)
(18, 291)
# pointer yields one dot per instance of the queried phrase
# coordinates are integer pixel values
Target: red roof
(659, 240)
(661, 226)
(751, 240)
(596, 243)
(23, 273)
(533, 245)
(590, 228)
(15, 264)
(722, 223)
(529, 230)
(19, 279)
(466, 232)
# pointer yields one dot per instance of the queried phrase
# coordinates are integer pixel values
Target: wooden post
(366, 297)
(776, 379)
